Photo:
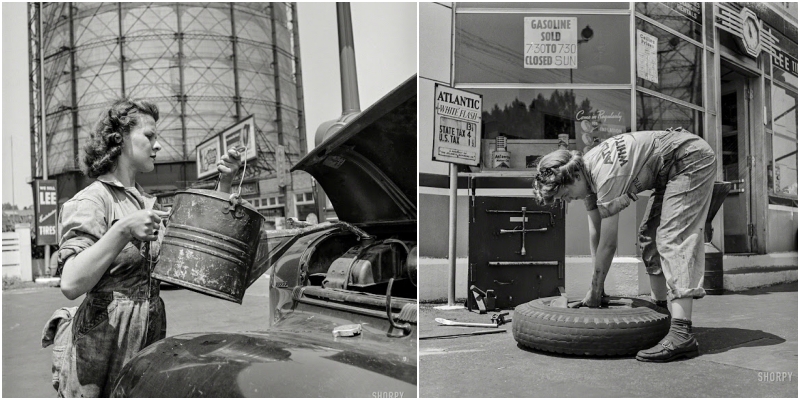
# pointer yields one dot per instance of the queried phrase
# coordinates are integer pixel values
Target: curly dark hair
(554, 170)
(101, 152)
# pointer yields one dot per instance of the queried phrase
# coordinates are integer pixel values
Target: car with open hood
(342, 297)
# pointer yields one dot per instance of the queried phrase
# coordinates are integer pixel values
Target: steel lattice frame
(206, 66)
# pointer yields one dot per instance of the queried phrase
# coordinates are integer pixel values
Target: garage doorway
(736, 90)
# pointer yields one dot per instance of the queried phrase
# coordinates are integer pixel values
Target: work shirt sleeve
(83, 222)
(612, 196)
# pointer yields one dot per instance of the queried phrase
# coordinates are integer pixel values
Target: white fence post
(25, 256)
(10, 255)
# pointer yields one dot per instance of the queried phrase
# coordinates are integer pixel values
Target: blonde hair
(554, 170)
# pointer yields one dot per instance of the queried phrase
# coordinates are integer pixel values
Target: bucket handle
(235, 198)
(241, 150)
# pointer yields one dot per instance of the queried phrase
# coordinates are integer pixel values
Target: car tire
(626, 326)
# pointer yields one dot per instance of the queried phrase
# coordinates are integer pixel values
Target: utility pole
(11, 147)
(44, 114)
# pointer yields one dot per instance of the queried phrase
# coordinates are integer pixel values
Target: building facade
(578, 73)
(205, 65)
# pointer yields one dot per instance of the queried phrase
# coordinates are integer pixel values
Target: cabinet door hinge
(751, 230)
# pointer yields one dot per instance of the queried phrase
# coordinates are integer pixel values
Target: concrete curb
(627, 276)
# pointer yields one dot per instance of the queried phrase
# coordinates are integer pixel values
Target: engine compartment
(366, 265)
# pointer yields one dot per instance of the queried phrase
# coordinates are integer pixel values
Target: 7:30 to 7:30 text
(551, 48)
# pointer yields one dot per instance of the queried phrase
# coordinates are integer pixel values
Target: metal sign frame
(45, 200)
(463, 112)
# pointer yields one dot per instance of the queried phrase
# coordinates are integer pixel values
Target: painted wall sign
(646, 56)
(457, 126)
(166, 200)
(249, 188)
(595, 126)
(551, 42)
(689, 10)
(46, 207)
(785, 62)
(208, 153)
(243, 134)
(240, 135)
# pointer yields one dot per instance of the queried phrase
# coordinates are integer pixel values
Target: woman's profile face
(141, 145)
(577, 190)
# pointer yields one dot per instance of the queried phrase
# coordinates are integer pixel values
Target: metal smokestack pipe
(347, 61)
(351, 106)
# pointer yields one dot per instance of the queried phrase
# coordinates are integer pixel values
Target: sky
(384, 34)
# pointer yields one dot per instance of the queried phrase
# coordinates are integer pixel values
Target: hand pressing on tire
(593, 299)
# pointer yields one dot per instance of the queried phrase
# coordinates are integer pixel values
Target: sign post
(456, 140)
(46, 207)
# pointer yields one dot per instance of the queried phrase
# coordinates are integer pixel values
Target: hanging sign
(689, 10)
(785, 62)
(208, 154)
(457, 126)
(551, 42)
(241, 135)
(646, 56)
(46, 206)
(282, 166)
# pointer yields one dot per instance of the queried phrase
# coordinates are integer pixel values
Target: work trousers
(671, 235)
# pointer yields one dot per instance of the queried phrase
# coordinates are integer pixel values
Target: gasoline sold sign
(46, 206)
(551, 42)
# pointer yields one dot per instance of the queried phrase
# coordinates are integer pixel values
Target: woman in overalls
(680, 168)
(109, 244)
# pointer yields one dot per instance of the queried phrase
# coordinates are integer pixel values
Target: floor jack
(484, 300)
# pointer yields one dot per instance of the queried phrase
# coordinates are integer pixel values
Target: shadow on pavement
(712, 341)
(570, 356)
(720, 340)
(782, 288)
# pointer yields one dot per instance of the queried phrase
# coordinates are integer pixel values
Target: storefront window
(680, 66)
(490, 48)
(785, 77)
(782, 169)
(684, 17)
(784, 176)
(550, 6)
(546, 113)
(784, 103)
(767, 103)
(653, 113)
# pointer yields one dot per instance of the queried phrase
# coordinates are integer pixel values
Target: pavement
(26, 365)
(748, 346)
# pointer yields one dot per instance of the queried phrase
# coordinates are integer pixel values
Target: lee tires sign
(46, 212)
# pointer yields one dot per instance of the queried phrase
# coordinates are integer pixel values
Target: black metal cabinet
(516, 247)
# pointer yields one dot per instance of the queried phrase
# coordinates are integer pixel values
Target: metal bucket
(713, 276)
(210, 244)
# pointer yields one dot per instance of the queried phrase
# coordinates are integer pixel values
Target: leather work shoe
(666, 351)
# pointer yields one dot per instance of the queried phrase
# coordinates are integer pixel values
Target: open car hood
(368, 169)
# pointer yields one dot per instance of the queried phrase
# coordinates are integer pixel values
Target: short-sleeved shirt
(627, 164)
(86, 217)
